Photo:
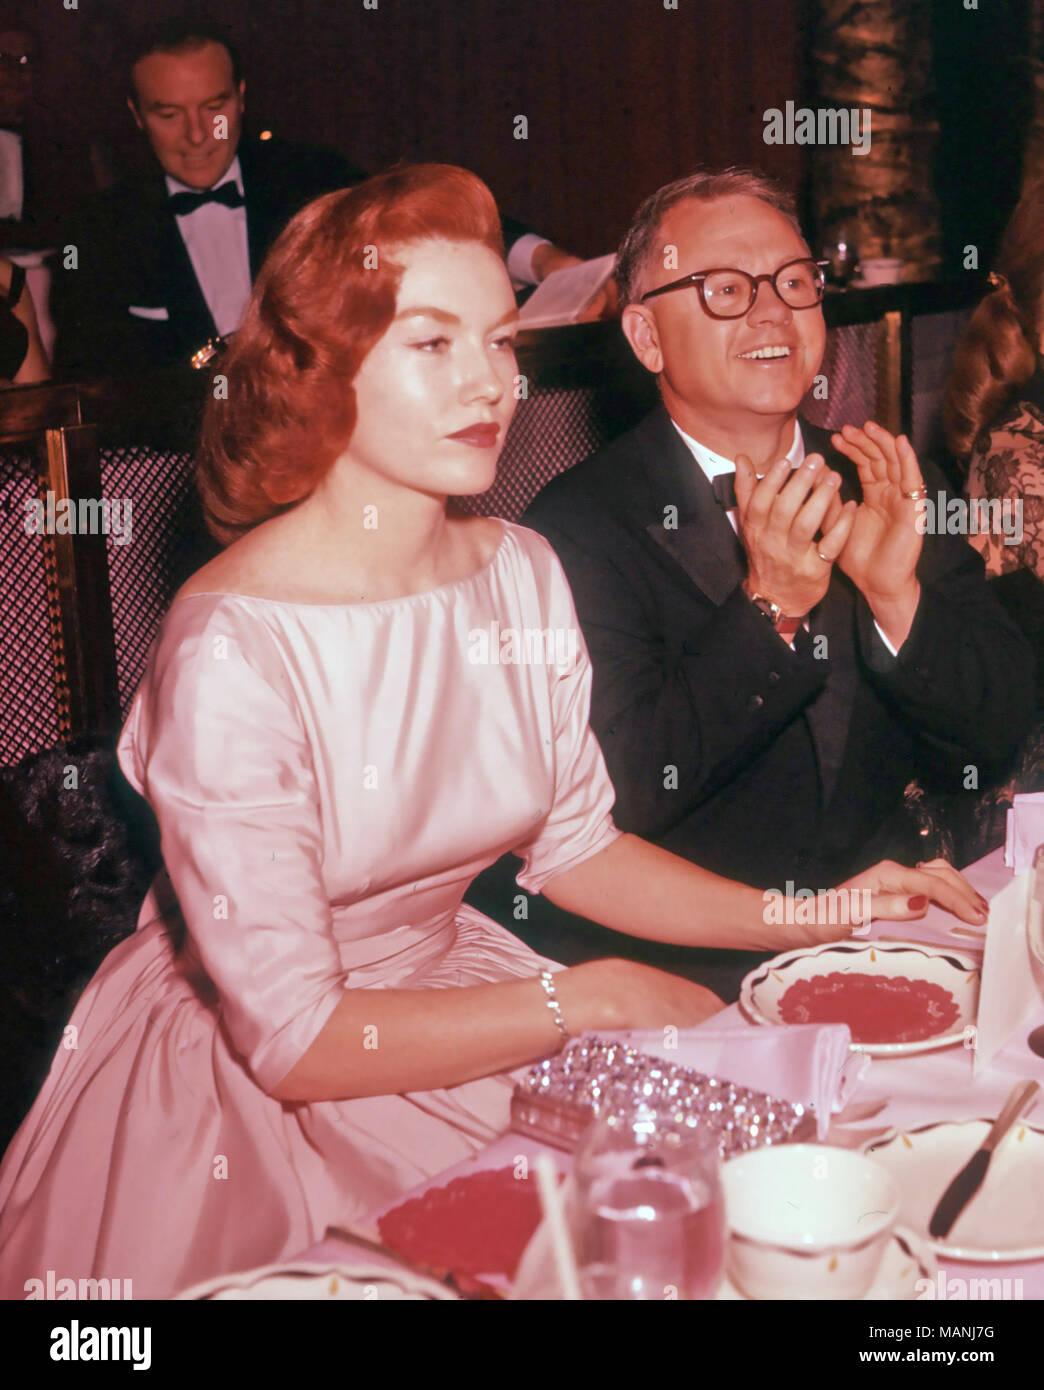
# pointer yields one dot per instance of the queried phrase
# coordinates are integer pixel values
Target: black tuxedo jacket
(130, 253)
(725, 745)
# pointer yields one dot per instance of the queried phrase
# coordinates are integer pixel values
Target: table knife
(970, 1178)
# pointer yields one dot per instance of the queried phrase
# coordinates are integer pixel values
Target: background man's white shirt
(520, 258)
(215, 237)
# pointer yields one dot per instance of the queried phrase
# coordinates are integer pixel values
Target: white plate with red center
(897, 997)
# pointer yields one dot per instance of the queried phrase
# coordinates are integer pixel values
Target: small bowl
(881, 270)
(807, 1221)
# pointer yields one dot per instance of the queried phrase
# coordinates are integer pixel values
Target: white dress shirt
(713, 465)
(215, 237)
(520, 258)
(12, 174)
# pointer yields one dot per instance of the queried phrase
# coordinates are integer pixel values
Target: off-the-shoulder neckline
(505, 532)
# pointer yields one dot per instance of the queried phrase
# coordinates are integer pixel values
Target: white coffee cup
(807, 1221)
(881, 270)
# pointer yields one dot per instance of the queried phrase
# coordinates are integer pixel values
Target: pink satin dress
(328, 780)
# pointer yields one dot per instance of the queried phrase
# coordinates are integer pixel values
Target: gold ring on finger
(825, 558)
(917, 494)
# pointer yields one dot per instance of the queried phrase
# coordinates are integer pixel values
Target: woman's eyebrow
(428, 312)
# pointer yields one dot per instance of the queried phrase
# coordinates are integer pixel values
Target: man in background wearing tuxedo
(773, 665)
(165, 261)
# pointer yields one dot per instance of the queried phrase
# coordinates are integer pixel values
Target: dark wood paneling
(621, 95)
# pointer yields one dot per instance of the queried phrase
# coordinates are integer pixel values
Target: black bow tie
(181, 204)
(724, 486)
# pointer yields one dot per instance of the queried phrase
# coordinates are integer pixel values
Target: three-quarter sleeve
(579, 822)
(214, 744)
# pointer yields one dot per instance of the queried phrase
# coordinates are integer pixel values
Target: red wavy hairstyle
(998, 350)
(325, 295)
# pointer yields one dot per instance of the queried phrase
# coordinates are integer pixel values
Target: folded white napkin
(807, 1063)
(1012, 980)
(1025, 830)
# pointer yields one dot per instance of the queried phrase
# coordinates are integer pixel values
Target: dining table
(901, 1094)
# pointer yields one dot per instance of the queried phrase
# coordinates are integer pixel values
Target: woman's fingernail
(982, 903)
(917, 904)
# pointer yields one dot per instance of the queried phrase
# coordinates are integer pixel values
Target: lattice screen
(30, 717)
(165, 548)
(934, 337)
(552, 430)
(850, 368)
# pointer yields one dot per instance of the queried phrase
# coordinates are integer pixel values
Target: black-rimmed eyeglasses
(729, 294)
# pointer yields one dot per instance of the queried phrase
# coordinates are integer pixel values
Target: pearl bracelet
(548, 982)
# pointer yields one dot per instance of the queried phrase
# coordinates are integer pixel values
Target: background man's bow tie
(181, 204)
(724, 486)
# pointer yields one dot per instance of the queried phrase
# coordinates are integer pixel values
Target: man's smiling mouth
(764, 354)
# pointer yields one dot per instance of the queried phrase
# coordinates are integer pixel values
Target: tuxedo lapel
(179, 291)
(263, 224)
(702, 542)
(830, 714)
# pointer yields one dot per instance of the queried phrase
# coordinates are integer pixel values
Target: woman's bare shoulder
(245, 568)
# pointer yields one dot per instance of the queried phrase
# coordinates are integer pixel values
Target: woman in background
(309, 1021)
(993, 413)
(22, 357)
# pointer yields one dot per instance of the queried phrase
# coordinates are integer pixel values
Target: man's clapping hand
(779, 517)
(876, 542)
(881, 553)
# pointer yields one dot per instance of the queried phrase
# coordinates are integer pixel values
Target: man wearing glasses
(777, 650)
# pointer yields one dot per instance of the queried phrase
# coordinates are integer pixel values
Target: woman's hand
(903, 894)
(637, 996)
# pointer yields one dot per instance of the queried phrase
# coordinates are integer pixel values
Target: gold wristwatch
(785, 624)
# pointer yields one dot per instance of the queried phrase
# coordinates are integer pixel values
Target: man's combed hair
(639, 245)
(999, 349)
(180, 35)
(325, 295)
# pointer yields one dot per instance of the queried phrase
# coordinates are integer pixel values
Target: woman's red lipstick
(482, 436)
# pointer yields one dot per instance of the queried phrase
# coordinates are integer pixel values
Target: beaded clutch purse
(559, 1097)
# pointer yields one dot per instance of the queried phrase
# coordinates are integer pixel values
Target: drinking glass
(647, 1214)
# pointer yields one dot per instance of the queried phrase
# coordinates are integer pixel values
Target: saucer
(1005, 1219)
(904, 1264)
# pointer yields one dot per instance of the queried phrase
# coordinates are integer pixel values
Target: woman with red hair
(336, 739)
(993, 414)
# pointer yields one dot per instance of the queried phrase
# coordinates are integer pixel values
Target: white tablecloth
(916, 1090)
